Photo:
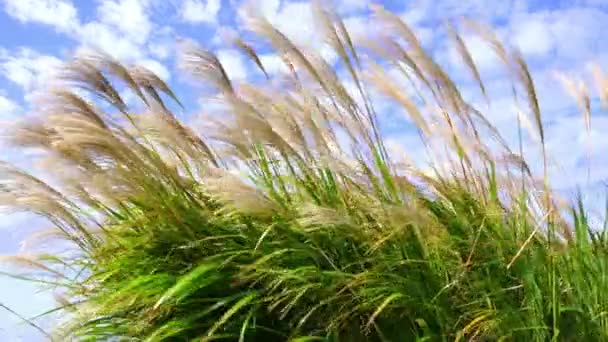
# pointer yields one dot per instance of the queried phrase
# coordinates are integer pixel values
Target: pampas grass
(288, 218)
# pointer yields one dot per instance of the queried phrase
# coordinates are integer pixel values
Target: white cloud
(296, 20)
(349, 6)
(565, 38)
(533, 36)
(579, 31)
(573, 156)
(197, 11)
(292, 18)
(273, 64)
(233, 63)
(156, 67)
(7, 105)
(29, 69)
(269, 8)
(484, 57)
(162, 43)
(103, 37)
(435, 11)
(8, 109)
(224, 34)
(359, 27)
(58, 13)
(28, 300)
(121, 29)
(160, 50)
(414, 15)
(129, 17)
(362, 27)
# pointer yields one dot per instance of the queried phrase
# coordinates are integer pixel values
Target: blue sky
(554, 35)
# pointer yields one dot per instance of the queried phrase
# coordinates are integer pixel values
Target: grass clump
(290, 219)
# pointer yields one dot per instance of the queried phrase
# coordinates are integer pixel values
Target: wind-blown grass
(288, 218)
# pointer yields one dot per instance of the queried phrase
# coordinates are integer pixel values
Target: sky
(554, 36)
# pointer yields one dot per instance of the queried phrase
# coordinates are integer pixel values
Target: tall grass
(289, 218)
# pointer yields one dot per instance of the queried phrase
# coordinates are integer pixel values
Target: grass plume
(290, 219)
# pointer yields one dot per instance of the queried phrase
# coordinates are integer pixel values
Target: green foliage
(324, 235)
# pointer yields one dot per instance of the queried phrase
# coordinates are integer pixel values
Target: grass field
(289, 218)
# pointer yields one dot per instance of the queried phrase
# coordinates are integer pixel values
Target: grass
(290, 219)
